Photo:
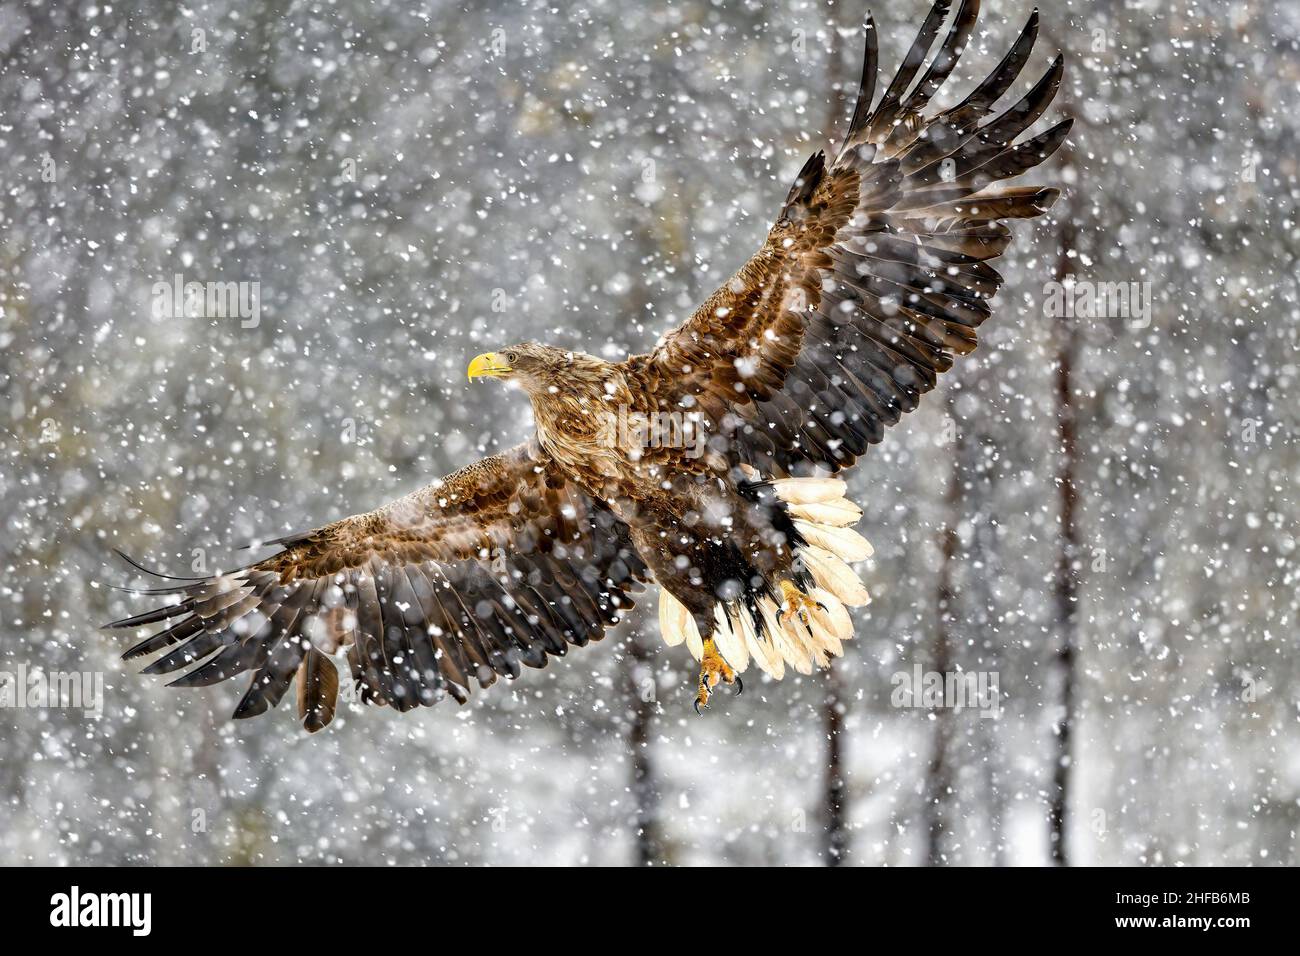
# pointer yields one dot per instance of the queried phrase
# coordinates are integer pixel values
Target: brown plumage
(701, 465)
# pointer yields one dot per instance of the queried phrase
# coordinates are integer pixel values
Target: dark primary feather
(318, 690)
(891, 108)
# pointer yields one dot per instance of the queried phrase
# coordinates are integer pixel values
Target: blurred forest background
(1102, 514)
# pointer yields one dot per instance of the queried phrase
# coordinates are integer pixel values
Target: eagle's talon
(740, 686)
(714, 670)
(796, 604)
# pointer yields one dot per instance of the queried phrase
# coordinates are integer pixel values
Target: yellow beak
(488, 365)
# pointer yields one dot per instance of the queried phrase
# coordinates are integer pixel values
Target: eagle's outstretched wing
(500, 564)
(875, 272)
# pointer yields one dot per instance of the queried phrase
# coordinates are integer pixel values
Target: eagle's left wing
(501, 563)
(875, 272)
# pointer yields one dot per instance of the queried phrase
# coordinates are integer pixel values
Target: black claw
(697, 708)
(740, 686)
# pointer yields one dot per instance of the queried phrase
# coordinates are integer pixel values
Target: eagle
(708, 466)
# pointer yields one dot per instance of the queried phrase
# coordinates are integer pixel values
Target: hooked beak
(488, 365)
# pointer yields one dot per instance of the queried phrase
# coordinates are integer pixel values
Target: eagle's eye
(512, 358)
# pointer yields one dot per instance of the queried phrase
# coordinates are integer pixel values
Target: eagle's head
(539, 369)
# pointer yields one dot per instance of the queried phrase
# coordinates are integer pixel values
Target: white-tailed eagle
(705, 466)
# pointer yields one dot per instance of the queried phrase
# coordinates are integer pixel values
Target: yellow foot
(796, 605)
(713, 671)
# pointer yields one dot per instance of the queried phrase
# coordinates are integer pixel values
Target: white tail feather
(844, 543)
(789, 636)
(831, 573)
(730, 644)
(762, 652)
(694, 644)
(834, 514)
(840, 624)
(669, 621)
(821, 626)
(676, 624)
(807, 491)
(772, 640)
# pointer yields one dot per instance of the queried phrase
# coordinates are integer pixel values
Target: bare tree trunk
(836, 830)
(645, 791)
(1067, 586)
(995, 782)
(996, 775)
(938, 778)
(836, 834)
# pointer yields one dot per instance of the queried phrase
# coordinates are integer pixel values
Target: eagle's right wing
(500, 564)
(875, 273)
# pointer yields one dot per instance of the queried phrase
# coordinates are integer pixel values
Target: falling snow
(392, 188)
